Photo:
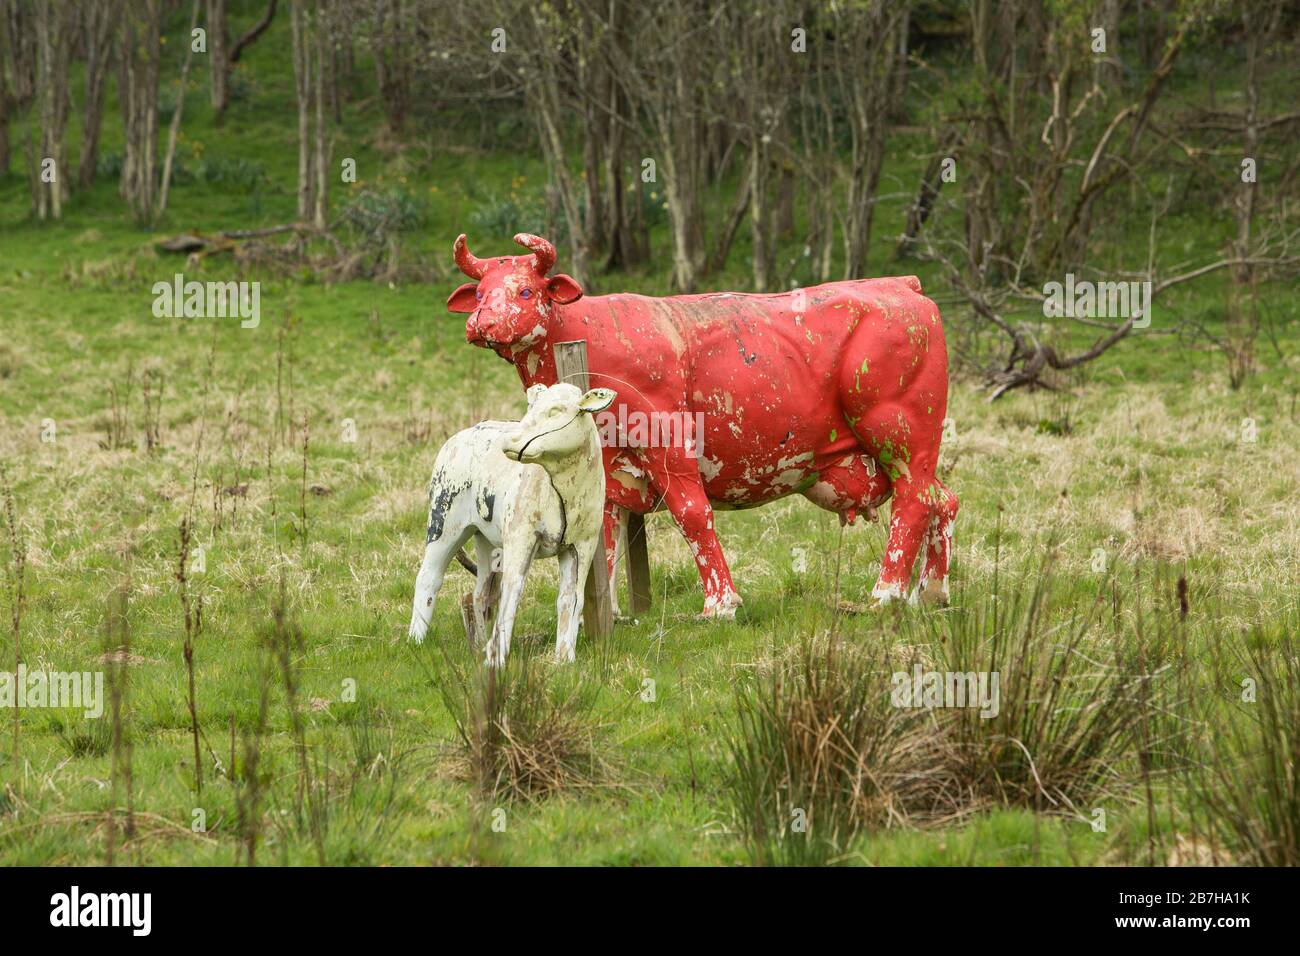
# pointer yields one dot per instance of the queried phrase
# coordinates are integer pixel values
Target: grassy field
(1149, 460)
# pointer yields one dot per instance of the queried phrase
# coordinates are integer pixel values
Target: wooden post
(598, 605)
(467, 620)
(638, 565)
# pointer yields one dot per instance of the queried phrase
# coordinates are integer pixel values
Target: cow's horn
(469, 263)
(542, 251)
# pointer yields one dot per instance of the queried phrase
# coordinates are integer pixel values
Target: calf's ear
(563, 289)
(597, 400)
(464, 299)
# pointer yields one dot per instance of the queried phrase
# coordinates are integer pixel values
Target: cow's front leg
(686, 501)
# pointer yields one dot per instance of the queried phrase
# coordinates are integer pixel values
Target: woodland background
(186, 511)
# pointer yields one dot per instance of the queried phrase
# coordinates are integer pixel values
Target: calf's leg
(575, 563)
(515, 562)
(438, 553)
(487, 587)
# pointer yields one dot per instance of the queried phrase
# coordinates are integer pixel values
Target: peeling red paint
(837, 392)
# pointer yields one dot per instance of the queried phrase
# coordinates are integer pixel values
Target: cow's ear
(563, 289)
(597, 400)
(534, 393)
(464, 299)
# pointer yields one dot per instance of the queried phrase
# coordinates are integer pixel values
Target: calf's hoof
(419, 627)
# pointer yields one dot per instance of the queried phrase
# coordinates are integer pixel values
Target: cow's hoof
(723, 608)
(887, 594)
(932, 591)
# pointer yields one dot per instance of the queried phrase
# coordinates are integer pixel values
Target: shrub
(221, 171)
(108, 165)
(378, 213)
(505, 216)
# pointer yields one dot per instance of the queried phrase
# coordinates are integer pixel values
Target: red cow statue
(837, 392)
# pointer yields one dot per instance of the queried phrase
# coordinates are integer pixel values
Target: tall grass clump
(15, 593)
(1249, 781)
(819, 753)
(286, 646)
(117, 661)
(1076, 705)
(824, 746)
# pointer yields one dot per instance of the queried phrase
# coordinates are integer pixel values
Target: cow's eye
(478, 294)
(526, 293)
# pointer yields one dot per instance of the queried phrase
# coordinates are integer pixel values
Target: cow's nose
(473, 330)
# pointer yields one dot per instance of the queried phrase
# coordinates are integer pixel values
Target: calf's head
(511, 302)
(558, 425)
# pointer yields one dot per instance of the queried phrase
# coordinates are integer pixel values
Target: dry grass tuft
(526, 731)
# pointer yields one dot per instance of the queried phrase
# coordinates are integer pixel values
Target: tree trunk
(139, 58)
(320, 157)
(7, 102)
(683, 217)
(100, 21)
(759, 218)
(391, 70)
(50, 182)
(1241, 273)
(303, 89)
(174, 130)
(218, 57)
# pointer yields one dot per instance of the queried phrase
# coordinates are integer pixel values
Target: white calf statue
(534, 488)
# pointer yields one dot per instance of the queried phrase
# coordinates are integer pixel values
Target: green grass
(1151, 469)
